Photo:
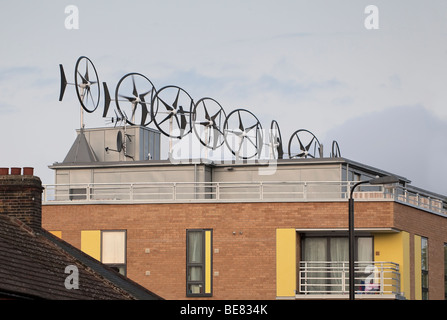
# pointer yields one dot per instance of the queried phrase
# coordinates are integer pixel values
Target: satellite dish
(119, 141)
(208, 118)
(304, 144)
(243, 134)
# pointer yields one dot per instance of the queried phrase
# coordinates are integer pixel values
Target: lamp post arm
(355, 186)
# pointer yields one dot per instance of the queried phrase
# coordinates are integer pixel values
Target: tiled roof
(32, 265)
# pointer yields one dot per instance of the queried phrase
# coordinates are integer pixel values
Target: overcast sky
(381, 93)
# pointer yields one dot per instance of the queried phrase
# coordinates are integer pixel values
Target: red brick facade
(244, 252)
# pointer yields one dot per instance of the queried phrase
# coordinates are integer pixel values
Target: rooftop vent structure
(126, 143)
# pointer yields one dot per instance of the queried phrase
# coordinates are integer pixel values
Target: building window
(327, 261)
(198, 262)
(424, 267)
(113, 249)
(78, 194)
(107, 246)
(336, 248)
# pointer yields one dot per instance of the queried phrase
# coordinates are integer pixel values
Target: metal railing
(329, 277)
(234, 191)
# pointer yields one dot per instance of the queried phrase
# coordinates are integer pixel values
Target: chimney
(21, 196)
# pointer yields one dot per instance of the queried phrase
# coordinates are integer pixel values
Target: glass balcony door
(328, 257)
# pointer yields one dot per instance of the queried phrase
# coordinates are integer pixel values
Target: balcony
(288, 191)
(330, 280)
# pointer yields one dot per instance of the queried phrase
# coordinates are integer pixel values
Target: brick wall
(433, 227)
(244, 257)
(21, 196)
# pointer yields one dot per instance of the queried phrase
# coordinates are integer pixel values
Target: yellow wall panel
(208, 261)
(395, 247)
(57, 233)
(91, 243)
(285, 262)
(417, 268)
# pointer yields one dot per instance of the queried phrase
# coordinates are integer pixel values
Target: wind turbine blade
(280, 151)
(183, 121)
(207, 116)
(168, 117)
(214, 117)
(106, 100)
(301, 144)
(241, 126)
(167, 106)
(144, 113)
(63, 82)
(134, 91)
(131, 99)
(215, 138)
(310, 143)
(86, 70)
(176, 99)
(84, 80)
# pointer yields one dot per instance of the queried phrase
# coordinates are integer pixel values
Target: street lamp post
(375, 181)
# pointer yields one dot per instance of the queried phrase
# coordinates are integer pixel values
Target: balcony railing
(372, 279)
(234, 192)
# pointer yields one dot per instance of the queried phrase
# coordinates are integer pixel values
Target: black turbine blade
(131, 99)
(63, 82)
(301, 144)
(142, 95)
(84, 80)
(167, 106)
(143, 114)
(241, 126)
(207, 116)
(176, 100)
(251, 127)
(134, 91)
(280, 150)
(144, 111)
(215, 138)
(213, 118)
(310, 143)
(86, 71)
(106, 100)
(167, 118)
(183, 121)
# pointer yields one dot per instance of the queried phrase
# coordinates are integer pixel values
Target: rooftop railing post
(174, 191)
(261, 191)
(305, 191)
(217, 191)
(88, 192)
